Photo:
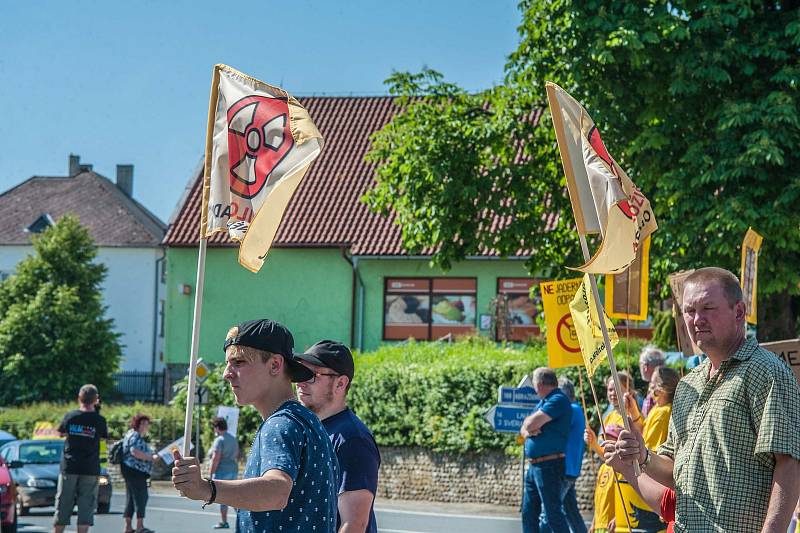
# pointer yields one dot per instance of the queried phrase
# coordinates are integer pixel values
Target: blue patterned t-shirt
(293, 440)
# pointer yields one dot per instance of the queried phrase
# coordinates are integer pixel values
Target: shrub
(431, 395)
(166, 426)
(435, 395)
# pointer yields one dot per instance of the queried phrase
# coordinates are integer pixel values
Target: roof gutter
(156, 312)
(357, 303)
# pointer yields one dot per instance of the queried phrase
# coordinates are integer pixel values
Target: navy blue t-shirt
(553, 438)
(293, 440)
(359, 458)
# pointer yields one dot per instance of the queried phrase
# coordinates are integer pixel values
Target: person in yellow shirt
(604, 487)
(653, 428)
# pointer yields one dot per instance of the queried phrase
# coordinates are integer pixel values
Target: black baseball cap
(270, 336)
(330, 354)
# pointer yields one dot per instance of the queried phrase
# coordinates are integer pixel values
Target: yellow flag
(749, 277)
(587, 327)
(259, 146)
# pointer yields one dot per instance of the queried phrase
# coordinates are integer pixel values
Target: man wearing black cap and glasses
(292, 475)
(326, 394)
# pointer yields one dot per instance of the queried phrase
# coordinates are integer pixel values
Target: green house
(336, 270)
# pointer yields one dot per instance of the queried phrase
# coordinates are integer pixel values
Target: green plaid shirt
(723, 434)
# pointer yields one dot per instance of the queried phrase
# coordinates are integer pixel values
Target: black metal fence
(132, 386)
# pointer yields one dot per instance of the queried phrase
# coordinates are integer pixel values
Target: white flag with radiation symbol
(603, 197)
(260, 144)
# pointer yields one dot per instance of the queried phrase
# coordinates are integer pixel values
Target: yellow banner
(562, 342)
(587, 327)
(626, 293)
(749, 277)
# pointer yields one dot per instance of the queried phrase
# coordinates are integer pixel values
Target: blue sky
(128, 82)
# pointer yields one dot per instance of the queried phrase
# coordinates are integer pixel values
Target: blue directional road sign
(525, 396)
(507, 418)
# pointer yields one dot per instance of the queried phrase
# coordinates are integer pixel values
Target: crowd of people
(313, 463)
(717, 450)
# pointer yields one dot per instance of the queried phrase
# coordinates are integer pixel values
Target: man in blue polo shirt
(545, 432)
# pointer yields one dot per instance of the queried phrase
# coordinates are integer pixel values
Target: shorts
(72, 489)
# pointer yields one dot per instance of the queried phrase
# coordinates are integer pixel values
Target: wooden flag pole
(195, 347)
(581, 226)
(201, 264)
(612, 365)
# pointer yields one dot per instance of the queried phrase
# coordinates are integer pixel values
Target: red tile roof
(112, 217)
(326, 210)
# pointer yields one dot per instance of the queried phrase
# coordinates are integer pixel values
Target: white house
(128, 237)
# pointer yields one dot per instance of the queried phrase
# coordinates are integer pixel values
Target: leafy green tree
(53, 334)
(467, 173)
(697, 100)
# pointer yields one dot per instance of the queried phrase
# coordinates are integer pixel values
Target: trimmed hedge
(431, 395)
(435, 395)
(167, 422)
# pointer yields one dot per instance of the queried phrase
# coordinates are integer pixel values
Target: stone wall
(420, 474)
(489, 477)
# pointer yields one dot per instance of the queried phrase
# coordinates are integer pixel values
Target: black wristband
(213, 492)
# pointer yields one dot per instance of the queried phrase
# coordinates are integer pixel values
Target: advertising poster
(522, 310)
(749, 274)
(563, 348)
(231, 416)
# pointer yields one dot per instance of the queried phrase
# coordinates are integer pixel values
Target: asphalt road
(167, 513)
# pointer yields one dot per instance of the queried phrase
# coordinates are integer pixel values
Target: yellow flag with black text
(587, 327)
(749, 274)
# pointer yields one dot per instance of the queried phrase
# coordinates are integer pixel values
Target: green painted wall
(308, 290)
(373, 272)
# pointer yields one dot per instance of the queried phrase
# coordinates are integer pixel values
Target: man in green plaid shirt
(733, 450)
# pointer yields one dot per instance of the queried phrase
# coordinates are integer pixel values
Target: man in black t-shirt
(359, 459)
(83, 429)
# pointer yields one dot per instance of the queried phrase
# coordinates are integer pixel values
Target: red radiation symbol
(600, 148)
(258, 139)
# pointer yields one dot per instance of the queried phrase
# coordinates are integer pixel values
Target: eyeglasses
(314, 377)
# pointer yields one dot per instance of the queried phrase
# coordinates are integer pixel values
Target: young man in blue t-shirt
(292, 475)
(359, 459)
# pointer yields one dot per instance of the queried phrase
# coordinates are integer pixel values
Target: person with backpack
(136, 465)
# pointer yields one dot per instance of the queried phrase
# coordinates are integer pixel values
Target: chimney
(74, 164)
(125, 179)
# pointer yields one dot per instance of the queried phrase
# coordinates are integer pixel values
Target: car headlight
(103, 480)
(41, 483)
